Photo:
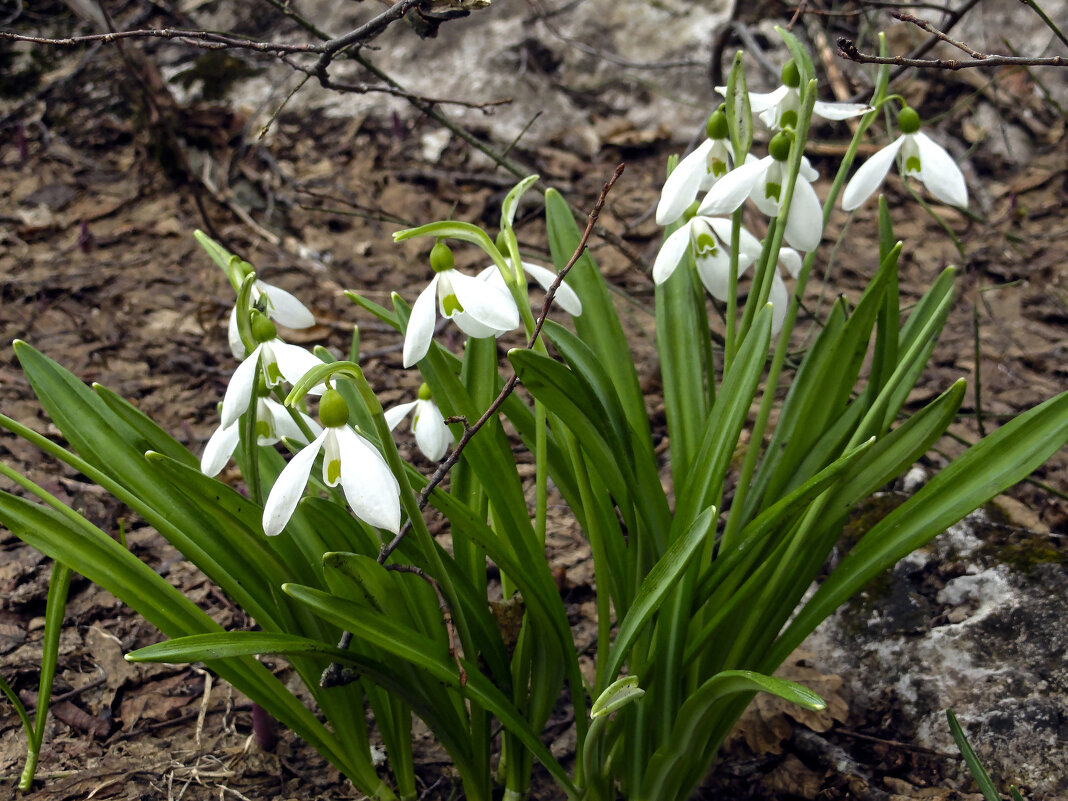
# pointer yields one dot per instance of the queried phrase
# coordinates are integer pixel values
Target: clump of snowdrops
(700, 585)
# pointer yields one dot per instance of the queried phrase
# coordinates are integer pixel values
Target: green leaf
(975, 767)
(616, 696)
(153, 438)
(656, 586)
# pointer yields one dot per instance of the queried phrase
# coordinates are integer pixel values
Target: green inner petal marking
(263, 429)
(912, 164)
(274, 375)
(451, 305)
(772, 190)
(706, 245)
(717, 168)
(788, 119)
(333, 471)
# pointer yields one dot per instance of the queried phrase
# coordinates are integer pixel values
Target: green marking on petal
(451, 305)
(788, 119)
(706, 245)
(912, 164)
(717, 168)
(333, 471)
(274, 375)
(263, 430)
(772, 190)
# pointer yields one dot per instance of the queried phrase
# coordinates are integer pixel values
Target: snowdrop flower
(272, 423)
(478, 308)
(779, 109)
(790, 263)
(708, 239)
(697, 172)
(274, 358)
(369, 485)
(431, 434)
(763, 181)
(565, 296)
(918, 155)
(277, 305)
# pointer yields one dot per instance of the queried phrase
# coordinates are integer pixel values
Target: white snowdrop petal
(732, 189)
(421, 325)
(840, 111)
(284, 307)
(233, 336)
(565, 296)
(486, 303)
(239, 391)
(940, 173)
(473, 328)
(683, 184)
(219, 449)
(804, 224)
(790, 260)
(431, 434)
(397, 413)
(672, 252)
(286, 427)
(759, 102)
(294, 362)
(289, 488)
(714, 272)
(370, 487)
(779, 300)
(870, 175)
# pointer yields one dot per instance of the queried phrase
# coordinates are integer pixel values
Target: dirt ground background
(99, 270)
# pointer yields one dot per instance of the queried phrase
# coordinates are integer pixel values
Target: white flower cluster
(705, 229)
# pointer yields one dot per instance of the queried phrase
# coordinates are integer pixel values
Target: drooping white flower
(369, 485)
(697, 172)
(779, 109)
(431, 434)
(708, 239)
(278, 305)
(272, 423)
(484, 306)
(917, 155)
(565, 296)
(763, 181)
(276, 360)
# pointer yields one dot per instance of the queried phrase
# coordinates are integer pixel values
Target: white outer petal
(790, 260)
(370, 487)
(219, 449)
(285, 426)
(940, 173)
(714, 272)
(289, 487)
(473, 328)
(397, 413)
(284, 307)
(804, 225)
(239, 391)
(870, 175)
(733, 188)
(779, 300)
(293, 362)
(672, 252)
(485, 302)
(233, 336)
(565, 296)
(431, 434)
(681, 187)
(421, 324)
(839, 111)
(807, 171)
(762, 102)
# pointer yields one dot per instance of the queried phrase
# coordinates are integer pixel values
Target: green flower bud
(908, 120)
(333, 411)
(441, 257)
(791, 76)
(263, 329)
(716, 127)
(779, 146)
(424, 392)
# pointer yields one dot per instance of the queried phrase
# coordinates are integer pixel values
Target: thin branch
(509, 386)
(203, 39)
(846, 49)
(924, 25)
(450, 628)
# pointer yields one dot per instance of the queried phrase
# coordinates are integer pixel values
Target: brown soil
(99, 270)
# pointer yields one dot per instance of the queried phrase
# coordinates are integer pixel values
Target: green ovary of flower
(263, 329)
(908, 120)
(779, 146)
(333, 410)
(791, 76)
(424, 391)
(716, 127)
(441, 257)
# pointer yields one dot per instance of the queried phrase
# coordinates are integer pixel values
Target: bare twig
(847, 49)
(450, 628)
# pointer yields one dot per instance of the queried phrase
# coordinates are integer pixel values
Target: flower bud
(333, 411)
(441, 257)
(908, 120)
